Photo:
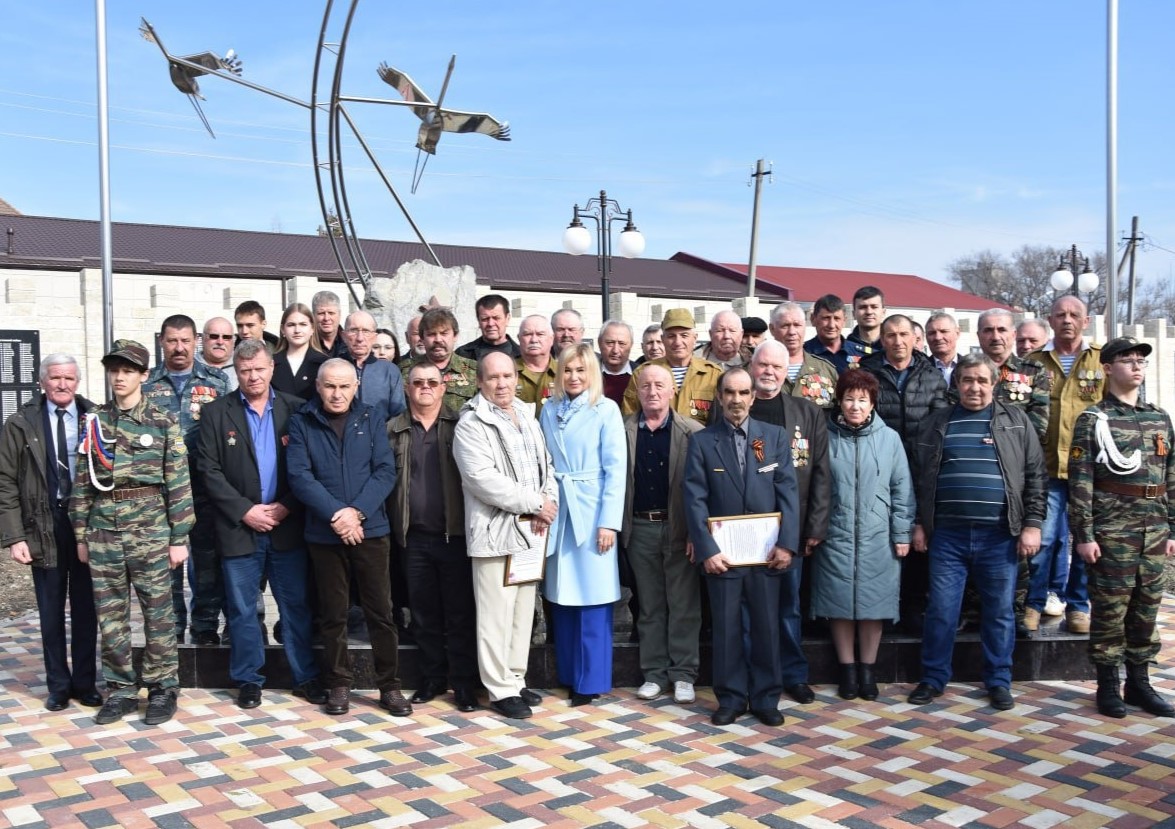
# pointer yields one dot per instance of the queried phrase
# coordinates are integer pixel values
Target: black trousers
(444, 613)
(53, 586)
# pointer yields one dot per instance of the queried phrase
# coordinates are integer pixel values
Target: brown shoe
(395, 704)
(338, 700)
(1031, 618)
(1077, 622)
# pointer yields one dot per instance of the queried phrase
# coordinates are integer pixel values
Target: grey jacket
(1021, 466)
(493, 498)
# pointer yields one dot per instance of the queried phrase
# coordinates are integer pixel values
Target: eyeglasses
(219, 336)
(420, 384)
(1133, 363)
(366, 332)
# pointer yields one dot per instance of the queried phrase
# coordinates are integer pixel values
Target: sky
(902, 135)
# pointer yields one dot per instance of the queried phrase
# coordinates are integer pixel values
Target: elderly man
(380, 383)
(808, 377)
(739, 466)
(493, 318)
(869, 312)
(567, 325)
(1122, 478)
(615, 344)
(652, 344)
(327, 321)
(981, 503)
(439, 330)
(508, 479)
(942, 335)
(807, 430)
(259, 523)
(342, 469)
(183, 386)
(412, 340)
(654, 537)
(38, 456)
(695, 380)
(726, 336)
(217, 348)
(1031, 335)
(828, 318)
(428, 523)
(536, 367)
(1077, 375)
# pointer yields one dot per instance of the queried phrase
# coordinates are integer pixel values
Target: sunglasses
(219, 336)
(420, 384)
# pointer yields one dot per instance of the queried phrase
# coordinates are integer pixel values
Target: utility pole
(1131, 248)
(758, 175)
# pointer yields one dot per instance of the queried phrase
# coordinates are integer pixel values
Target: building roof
(7, 209)
(52, 243)
(901, 290)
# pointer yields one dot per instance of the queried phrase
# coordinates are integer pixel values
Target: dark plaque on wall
(20, 358)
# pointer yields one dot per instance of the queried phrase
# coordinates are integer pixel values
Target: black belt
(652, 515)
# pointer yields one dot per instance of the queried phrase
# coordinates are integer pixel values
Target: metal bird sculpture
(435, 119)
(185, 70)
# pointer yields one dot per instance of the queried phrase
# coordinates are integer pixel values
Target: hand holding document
(746, 540)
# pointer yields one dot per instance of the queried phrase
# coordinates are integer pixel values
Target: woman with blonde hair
(585, 436)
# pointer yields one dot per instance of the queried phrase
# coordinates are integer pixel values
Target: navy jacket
(327, 476)
(381, 387)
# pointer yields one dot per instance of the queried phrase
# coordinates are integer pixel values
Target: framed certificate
(746, 540)
(528, 566)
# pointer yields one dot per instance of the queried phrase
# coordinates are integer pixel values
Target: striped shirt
(970, 487)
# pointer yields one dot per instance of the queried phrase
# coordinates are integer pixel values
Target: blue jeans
(988, 554)
(289, 579)
(1048, 570)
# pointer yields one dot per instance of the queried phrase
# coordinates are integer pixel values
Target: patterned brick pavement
(1051, 761)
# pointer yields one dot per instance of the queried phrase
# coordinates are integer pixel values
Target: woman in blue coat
(585, 436)
(856, 570)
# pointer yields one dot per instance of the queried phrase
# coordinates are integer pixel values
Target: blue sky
(903, 134)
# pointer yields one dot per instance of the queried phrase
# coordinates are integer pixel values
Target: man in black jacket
(258, 523)
(37, 452)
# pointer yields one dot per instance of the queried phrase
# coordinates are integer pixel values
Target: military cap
(754, 325)
(677, 318)
(1123, 345)
(128, 351)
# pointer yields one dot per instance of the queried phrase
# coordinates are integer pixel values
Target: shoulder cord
(94, 444)
(1109, 453)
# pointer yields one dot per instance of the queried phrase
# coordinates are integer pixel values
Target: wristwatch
(359, 512)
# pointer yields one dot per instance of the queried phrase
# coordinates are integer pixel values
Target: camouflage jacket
(460, 380)
(141, 448)
(205, 385)
(1145, 429)
(1022, 383)
(1069, 396)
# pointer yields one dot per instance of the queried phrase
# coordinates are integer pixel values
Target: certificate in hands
(523, 568)
(746, 540)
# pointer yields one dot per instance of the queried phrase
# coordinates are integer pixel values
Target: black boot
(1109, 695)
(1139, 692)
(848, 681)
(868, 681)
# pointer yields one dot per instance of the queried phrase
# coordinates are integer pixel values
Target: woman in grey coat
(856, 571)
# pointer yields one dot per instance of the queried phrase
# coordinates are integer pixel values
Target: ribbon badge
(757, 445)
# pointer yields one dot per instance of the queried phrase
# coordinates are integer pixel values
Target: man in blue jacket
(342, 469)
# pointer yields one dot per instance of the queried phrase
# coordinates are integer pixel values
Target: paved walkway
(1051, 761)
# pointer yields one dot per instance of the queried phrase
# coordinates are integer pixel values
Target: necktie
(64, 484)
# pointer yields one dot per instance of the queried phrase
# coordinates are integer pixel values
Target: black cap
(754, 325)
(1123, 345)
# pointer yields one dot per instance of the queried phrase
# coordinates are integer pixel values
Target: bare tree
(1022, 280)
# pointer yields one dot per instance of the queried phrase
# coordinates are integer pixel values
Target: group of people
(742, 486)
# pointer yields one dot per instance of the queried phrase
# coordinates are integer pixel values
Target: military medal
(1160, 445)
(146, 440)
(232, 439)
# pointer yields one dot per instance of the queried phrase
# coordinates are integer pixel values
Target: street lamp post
(577, 239)
(1062, 279)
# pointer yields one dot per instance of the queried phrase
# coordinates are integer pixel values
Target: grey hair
(323, 298)
(974, 360)
(785, 308)
(248, 349)
(615, 323)
(943, 315)
(992, 312)
(58, 358)
(338, 362)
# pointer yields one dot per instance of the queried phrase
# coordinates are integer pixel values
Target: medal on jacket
(1160, 445)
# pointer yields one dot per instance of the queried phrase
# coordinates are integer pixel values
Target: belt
(1133, 490)
(130, 493)
(653, 515)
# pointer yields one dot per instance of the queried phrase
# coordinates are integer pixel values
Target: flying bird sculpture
(185, 70)
(435, 119)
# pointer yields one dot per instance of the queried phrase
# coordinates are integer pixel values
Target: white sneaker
(1053, 606)
(650, 690)
(683, 692)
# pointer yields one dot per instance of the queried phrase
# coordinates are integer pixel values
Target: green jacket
(453, 503)
(1069, 396)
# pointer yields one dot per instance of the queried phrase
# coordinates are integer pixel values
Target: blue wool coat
(855, 572)
(589, 453)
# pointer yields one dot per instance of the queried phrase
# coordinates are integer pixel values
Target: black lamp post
(577, 239)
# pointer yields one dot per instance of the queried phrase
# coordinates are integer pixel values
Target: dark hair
(178, 322)
(730, 372)
(857, 380)
(395, 342)
(830, 303)
(894, 319)
(868, 292)
(435, 318)
(492, 301)
(248, 308)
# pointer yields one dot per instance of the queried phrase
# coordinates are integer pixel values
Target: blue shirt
(970, 486)
(264, 446)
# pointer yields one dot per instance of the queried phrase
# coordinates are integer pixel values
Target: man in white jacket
(510, 501)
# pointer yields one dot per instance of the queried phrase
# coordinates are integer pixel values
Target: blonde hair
(595, 382)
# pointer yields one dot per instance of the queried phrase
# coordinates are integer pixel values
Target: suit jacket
(713, 485)
(227, 462)
(682, 429)
(302, 384)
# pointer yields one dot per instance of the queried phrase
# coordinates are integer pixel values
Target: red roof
(901, 290)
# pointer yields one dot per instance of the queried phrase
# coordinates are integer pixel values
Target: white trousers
(504, 619)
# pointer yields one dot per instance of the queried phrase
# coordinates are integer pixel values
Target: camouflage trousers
(1125, 589)
(122, 560)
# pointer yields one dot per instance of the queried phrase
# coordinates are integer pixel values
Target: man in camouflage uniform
(182, 385)
(439, 330)
(808, 377)
(132, 511)
(1121, 478)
